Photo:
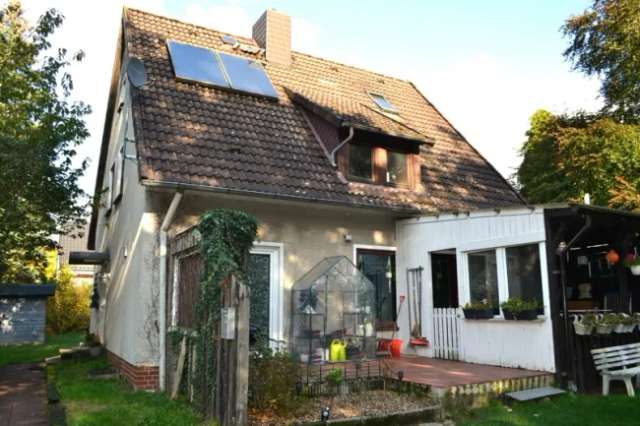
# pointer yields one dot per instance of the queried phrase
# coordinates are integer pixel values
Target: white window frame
(502, 274)
(275, 251)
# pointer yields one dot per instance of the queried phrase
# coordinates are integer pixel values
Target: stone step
(535, 393)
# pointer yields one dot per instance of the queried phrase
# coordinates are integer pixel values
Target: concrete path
(23, 396)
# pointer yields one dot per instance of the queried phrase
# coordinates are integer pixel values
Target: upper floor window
(383, 103)
(397, 173)
(360, 162)
(378, 165)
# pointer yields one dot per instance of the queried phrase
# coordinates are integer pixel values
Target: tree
(605, 42)
(565, 157)
(40, 129)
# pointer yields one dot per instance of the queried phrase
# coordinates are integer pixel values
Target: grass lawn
(111, 401)
(569, 410)
(14, 354)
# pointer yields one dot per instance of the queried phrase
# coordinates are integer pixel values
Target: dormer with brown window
(371, 144)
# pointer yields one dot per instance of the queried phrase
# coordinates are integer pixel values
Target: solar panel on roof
(247, 75)
(208, 66)
(197, 64)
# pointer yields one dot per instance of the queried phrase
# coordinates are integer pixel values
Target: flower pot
(470, 313)
(527, 315)
(508, 315)
(582, 329)
(620, 328)
(484, 314)
(635, 269)
(604, 328)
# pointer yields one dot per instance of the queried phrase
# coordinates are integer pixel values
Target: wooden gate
(446, 333)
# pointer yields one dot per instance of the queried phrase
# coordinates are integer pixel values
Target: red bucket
(396, 347)
(383, 345)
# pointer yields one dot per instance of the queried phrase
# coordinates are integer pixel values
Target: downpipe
(162, 305)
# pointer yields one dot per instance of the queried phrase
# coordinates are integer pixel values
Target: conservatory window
(483, 277)
(523, 272)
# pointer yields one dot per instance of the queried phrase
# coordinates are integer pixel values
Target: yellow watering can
(337, 351)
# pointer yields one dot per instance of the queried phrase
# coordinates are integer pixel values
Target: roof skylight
(211, 67)
(383, 103)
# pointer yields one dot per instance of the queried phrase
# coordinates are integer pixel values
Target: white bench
(618, 363)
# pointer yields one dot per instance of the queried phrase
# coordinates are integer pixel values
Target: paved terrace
(443, 374)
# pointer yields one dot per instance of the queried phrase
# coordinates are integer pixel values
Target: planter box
(478, 313)
(521, 316)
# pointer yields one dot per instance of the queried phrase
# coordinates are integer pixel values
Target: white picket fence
(446, 333)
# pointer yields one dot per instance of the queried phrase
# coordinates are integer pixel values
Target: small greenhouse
(333, 313)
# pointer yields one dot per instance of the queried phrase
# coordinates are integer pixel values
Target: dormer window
(397, 170)
(360, 162)
(378, 165)
(383, 103)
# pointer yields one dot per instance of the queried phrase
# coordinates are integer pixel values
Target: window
(397, 168)
(523, 272)
(116, 177)
(483, 277)
(360, 162)
(383, 103)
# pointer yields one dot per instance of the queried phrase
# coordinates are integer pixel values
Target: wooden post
(233, 355)
(178, 377)
(242, 358)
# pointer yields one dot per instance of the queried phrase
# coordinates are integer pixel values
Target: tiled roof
(195, 135)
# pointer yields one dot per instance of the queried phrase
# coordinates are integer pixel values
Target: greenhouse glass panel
(334, 313)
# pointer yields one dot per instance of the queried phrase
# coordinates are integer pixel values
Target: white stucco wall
(127, 322)
(525, 344)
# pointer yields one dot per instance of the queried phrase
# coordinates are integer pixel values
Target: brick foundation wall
(139, 376)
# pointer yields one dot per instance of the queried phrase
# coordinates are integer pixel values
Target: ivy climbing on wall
(226, 238)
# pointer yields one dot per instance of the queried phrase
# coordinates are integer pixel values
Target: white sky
(486, 94)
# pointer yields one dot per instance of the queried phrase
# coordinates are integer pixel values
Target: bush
(272, 381)
(68, 309)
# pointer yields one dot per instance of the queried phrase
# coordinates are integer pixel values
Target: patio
(442, 375)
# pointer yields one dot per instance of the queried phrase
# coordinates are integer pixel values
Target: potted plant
(632, 261)
(519, 309)
(606, 323)
(636, 320)
(625, 324)
(93, 342)
(478, 310)
(583, 324)
(336, 378)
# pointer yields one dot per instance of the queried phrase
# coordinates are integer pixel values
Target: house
(330, 158)
(83, 274)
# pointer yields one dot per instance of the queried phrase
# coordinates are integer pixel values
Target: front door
(380, 267)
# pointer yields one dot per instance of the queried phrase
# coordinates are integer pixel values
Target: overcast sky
(486, 65)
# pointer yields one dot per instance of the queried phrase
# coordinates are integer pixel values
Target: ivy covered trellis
(226, 237)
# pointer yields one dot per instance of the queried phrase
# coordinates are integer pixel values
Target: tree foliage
(68, 309)
(40, 129)
(565, 157)
(605, 42)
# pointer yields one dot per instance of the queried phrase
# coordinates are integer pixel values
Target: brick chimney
(272, 32)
